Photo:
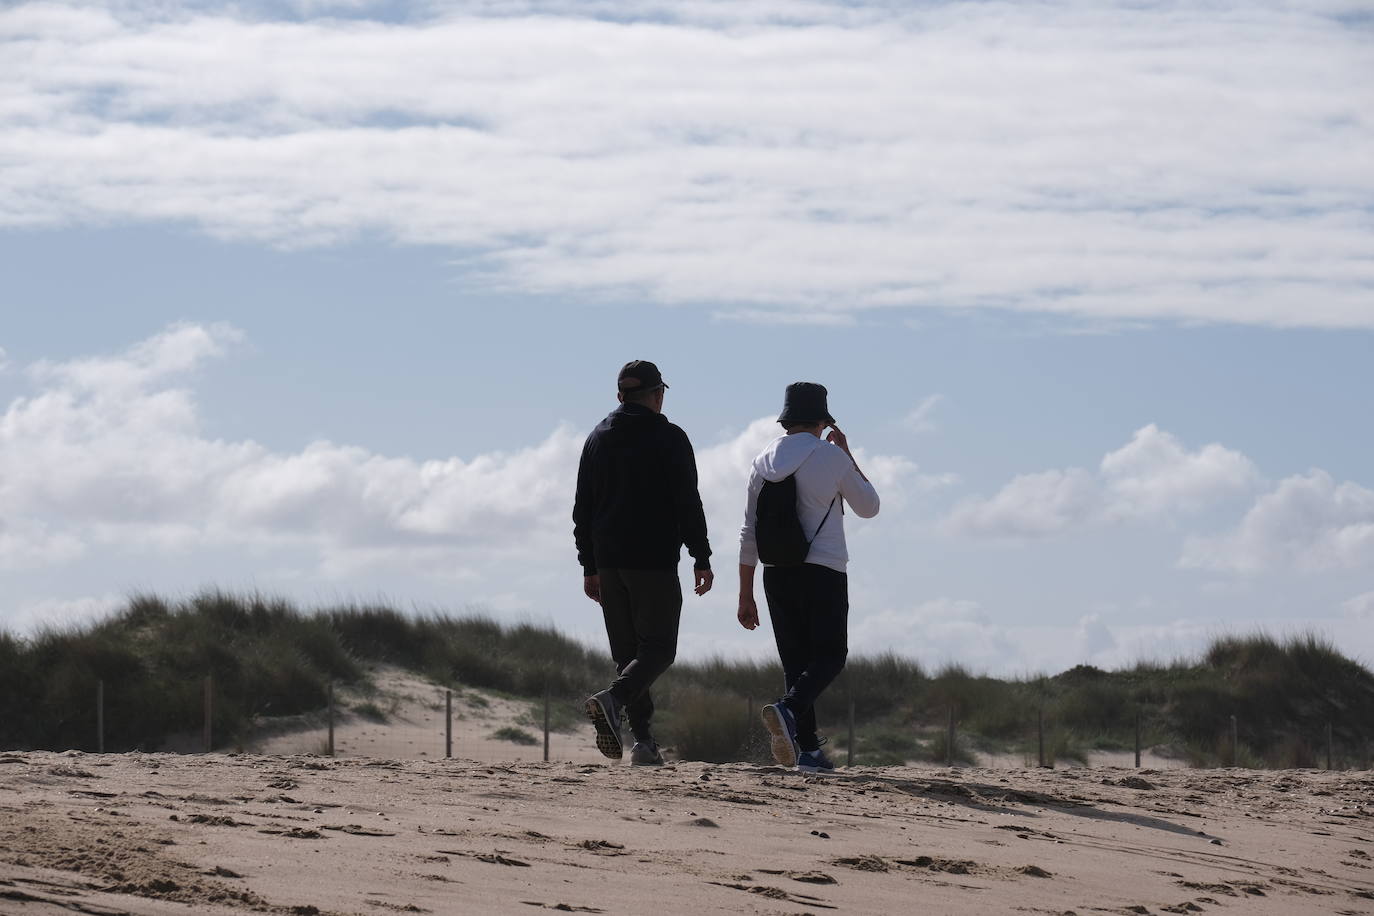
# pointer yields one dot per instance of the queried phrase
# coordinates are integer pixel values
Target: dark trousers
(809, 607)
(641, 608)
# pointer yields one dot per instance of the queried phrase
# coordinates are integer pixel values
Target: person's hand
(838, 438)
(702, 579)
(591, 586)
(748, 613)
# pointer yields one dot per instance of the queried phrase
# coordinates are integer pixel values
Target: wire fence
(405, 719)
(402, 717)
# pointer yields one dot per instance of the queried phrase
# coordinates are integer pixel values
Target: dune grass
(269, 658)
(514, 735)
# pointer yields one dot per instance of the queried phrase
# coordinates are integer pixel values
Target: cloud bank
(107, 475)
(1151, 477)
(1306, 523)
(108, 455)
(1309, 523)
(1191, 162)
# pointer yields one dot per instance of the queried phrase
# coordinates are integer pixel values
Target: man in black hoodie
(637, 505)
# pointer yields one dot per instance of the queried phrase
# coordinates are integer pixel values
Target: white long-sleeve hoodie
(823, 472)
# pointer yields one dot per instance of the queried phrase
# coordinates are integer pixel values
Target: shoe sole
(607, 737)
(647, 763)
(784, 747)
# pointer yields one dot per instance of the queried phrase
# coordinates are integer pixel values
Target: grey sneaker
(646, 754)
(604, 712)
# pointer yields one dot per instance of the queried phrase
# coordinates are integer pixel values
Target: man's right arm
(584, 509)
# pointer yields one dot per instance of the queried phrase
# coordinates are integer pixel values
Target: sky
(319, 299)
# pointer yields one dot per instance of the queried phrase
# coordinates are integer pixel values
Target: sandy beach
(160, 833)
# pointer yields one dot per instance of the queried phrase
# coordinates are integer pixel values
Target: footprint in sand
(563, 907)
(805, 877)
(602, 847)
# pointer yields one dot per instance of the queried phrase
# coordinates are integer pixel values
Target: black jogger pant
(809, 607)
(641, 608)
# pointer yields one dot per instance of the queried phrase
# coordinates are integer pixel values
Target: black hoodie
(637, 500)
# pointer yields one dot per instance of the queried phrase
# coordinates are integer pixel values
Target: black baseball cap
(639, 375)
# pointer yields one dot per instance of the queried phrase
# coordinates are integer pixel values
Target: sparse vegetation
(564, 717)
(269, 659)
(514, 735)
(717, 726)
(372, 711)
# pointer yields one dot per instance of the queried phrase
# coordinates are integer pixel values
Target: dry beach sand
(161, 833)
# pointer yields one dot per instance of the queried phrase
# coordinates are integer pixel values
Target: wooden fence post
(1137, 737)
(448, 724)
(849, 748)
(949, 740)
(546, 724)
(100, 717)
(209, 735)
(1040, 731)
(1330, 740)
(331, 717)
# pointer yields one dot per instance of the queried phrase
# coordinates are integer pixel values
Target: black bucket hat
(639, 375)
(804, 402)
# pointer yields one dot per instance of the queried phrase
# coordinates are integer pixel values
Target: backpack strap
(824, 520)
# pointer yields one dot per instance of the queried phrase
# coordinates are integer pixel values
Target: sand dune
(157, 833)
(414, 725)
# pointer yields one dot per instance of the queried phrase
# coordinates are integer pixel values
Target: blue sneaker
(780, 723)
(604, 712)
(815, 762)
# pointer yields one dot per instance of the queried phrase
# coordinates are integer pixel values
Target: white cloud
(1308, 522)
(937, 632)
(175, 351)
(57, 613)
(1093, 637)
(109, 453)
(781, 316)
(1155, 475)
(918, 420)
(791, 158)
(1361, 607)
(1152, 476)
(988, 640)
(1031, 505)
(27, 543)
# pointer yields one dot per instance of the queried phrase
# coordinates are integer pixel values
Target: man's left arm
(690, 514)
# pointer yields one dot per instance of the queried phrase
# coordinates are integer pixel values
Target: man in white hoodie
(808, 601)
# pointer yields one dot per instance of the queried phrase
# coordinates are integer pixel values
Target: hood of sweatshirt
(784, 455)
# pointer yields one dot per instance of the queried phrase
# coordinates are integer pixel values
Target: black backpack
(777, 528)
